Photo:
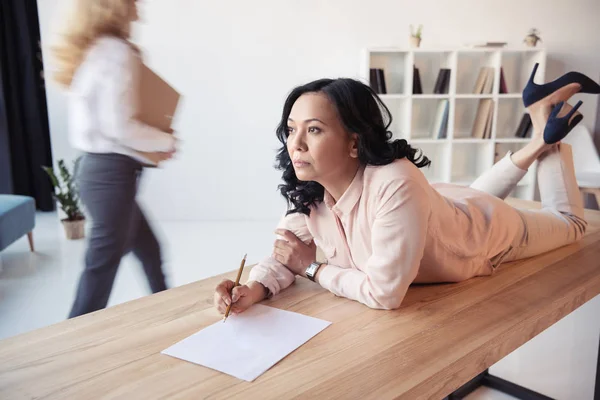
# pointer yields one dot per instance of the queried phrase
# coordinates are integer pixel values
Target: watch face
(310, 271)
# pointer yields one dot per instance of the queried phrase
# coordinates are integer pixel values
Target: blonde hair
(87, 21)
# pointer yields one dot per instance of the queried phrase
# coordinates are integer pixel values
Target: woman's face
(320, 147)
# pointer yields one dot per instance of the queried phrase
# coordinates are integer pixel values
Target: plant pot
(414, 41)
(74, 229)
(531, 41)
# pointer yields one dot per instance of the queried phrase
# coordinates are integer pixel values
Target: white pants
(560, 221)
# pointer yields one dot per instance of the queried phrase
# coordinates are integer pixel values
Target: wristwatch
(312, 269)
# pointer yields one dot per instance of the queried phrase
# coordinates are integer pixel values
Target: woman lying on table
(361, 198)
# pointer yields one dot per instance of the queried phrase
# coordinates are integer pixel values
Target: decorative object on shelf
(65, 192)
(532, 38)
(415, 37)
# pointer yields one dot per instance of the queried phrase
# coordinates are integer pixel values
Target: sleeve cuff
(327, 274)
(266, 280)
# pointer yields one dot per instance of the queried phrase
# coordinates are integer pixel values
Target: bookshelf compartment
(468, 68)
(395, 70)
(425, 123)
(465, 114)
(459, 157)
(510, 113)
(501, 149)
(469, 161)
(400, 111)
(517, 66)
(429, 65)
(439, 154)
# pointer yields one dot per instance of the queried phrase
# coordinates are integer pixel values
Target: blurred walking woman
(98, 65)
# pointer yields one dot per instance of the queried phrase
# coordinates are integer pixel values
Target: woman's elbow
(385, 302)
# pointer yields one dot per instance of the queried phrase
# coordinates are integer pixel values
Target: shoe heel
(532, 93)
(529, 92)
(532, 76)
(558, 127)
(574, 110)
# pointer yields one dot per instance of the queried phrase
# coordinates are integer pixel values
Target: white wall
(235, 61)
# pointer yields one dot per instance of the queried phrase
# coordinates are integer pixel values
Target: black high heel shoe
(534, 92)
(558, 127)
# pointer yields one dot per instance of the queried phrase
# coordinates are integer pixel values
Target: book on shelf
(443, 132)
(480, 82)
(442, 83)
(525, 126)
(494, 44)
(503, 88)
(417, 87)
(489, 81)
(381, 81)
(446, 87)
(485, 81)
(440, 122)
(377, 80)
(480, 124)
(487, 134)
(373, 79)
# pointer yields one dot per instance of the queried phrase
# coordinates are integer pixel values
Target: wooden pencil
(237, 282)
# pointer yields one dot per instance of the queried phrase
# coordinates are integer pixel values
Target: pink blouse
(392, 228)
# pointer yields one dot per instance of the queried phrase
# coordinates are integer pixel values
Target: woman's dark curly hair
(362, 112)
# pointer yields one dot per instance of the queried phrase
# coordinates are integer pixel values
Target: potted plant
(415, 37)
(65, 192)
(532, 37)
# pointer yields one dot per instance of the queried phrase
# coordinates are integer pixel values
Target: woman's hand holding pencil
(238, 298)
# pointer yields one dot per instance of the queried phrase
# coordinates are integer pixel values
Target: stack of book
(482, 126)
(377, 80)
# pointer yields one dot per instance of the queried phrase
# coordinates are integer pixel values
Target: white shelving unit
(458, 158)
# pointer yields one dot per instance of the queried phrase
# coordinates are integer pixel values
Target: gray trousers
(107, 187)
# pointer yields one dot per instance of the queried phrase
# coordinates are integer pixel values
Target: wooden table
(441, 337)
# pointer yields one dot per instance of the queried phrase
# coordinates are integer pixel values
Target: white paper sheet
(248, 344)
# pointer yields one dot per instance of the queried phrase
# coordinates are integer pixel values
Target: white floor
(36, 289)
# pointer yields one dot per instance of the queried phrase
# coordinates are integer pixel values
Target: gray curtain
(6, 185)
(24, 128)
